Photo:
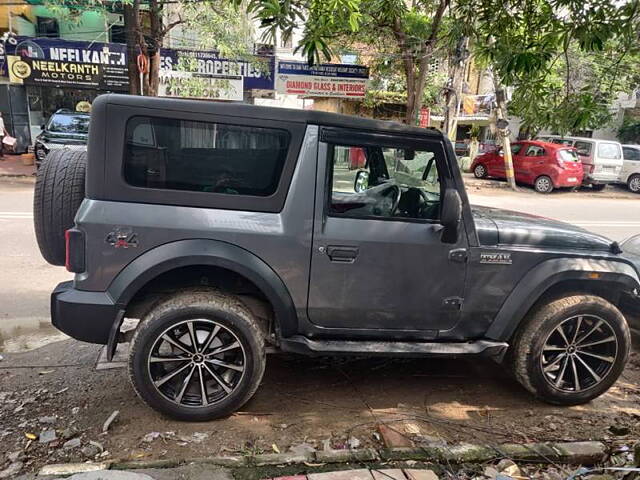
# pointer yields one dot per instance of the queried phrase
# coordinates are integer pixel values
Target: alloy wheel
(579, 353)
(543, 184)
(634, 184)
(480, 171)
(196, 363)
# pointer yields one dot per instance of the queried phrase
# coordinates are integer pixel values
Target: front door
(378, 262)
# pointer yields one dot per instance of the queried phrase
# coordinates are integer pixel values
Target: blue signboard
(336, 70)
(112, 60)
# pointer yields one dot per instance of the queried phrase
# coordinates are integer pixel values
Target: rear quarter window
(177, 154)
(610, 151)
(631, 153)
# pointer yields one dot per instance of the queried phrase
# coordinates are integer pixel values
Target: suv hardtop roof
(267, 113)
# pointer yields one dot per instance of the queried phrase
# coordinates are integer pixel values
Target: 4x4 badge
(122, 238)
(496, 258)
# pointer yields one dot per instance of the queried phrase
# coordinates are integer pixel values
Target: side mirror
(362, 181)
(451, 215)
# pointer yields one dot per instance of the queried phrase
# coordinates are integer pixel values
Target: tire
(480, 171)
(634, 183)
(543, 184)
(59, 191)
(539, 331)
(206, 310)
(598, 187)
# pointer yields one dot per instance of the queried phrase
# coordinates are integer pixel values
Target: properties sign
(324, 80)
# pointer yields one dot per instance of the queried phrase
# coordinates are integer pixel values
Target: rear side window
(583, 148)
(609, 151)
(631, 153)
(535, 151)
(175, 154)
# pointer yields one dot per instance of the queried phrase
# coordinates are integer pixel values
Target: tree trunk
(157, 35)
(501, 114)
(154, 73)
(131, 26)
(454, 93)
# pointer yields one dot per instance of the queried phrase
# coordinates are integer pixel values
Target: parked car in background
(631, 169)
(65, 129)
(601, 159)
(546, 166)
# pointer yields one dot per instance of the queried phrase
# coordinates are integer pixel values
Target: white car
(631, 169)
(601, 159)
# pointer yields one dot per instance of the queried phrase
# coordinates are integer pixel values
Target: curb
(572, 453)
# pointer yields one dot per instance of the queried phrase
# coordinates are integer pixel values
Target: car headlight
(632, 245)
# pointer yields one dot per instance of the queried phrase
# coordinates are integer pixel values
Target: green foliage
(629, 132)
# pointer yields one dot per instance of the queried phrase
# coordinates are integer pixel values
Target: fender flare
(549, 273)
(184, 253)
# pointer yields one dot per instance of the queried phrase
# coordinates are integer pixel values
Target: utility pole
(453, 94)
(502, 127)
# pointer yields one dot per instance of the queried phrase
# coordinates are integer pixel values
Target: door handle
(342, 254)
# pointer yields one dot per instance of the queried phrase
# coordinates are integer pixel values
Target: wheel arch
(212, 254)
(606, 278)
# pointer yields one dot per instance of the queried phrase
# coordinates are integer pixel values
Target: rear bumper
(85, 316)
(599, 178)
(568, 178)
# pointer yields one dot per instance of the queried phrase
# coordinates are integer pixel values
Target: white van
(631, 170)
(601, 159)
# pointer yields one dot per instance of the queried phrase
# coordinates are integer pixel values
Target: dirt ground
(301, 401)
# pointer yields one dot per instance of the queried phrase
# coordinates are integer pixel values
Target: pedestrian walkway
(14, 166)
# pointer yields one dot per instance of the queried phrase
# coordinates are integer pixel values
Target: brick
(420, 474)
(393, 437)
(388, 474)
(362, 474)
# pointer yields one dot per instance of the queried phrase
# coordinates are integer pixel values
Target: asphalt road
(26, 280)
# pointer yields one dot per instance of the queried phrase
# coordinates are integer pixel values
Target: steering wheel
(396, 199)
(428, 205)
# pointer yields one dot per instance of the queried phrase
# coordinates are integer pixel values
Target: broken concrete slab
(393, 437)
(413, 474)
(388, 474)
(361, 474)
(71, 468)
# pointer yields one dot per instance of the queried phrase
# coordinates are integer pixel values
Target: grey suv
(229, 229)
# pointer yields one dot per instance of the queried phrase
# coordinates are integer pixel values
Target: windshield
(69, 123)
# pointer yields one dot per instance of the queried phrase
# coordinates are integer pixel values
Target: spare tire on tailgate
(58, 194)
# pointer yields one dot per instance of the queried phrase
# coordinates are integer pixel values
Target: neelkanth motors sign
(41, 72)
(323, 80)
(196, 85)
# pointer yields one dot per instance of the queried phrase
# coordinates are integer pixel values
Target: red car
(544, 165)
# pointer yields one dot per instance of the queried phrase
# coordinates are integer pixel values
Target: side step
(306, 346)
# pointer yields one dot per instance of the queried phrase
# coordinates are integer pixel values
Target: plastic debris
(109, 421)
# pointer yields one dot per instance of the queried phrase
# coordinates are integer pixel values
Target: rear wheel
(571, 350)
(598, 187)
(197, 356)
(634, 183)
(59, 191)
(543, 184)
(480, 171)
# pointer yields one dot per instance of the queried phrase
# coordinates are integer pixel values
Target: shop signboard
(35, 71)
(256, 73)
(323, 80)
(202, 86)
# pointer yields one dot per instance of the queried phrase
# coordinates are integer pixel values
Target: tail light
(75, 246)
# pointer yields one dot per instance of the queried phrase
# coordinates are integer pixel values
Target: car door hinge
(458, 255)
(452, 303)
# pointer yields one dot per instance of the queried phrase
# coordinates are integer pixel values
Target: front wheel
(571, 350)
(543, 184)
(197, 356)
(634, 183)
